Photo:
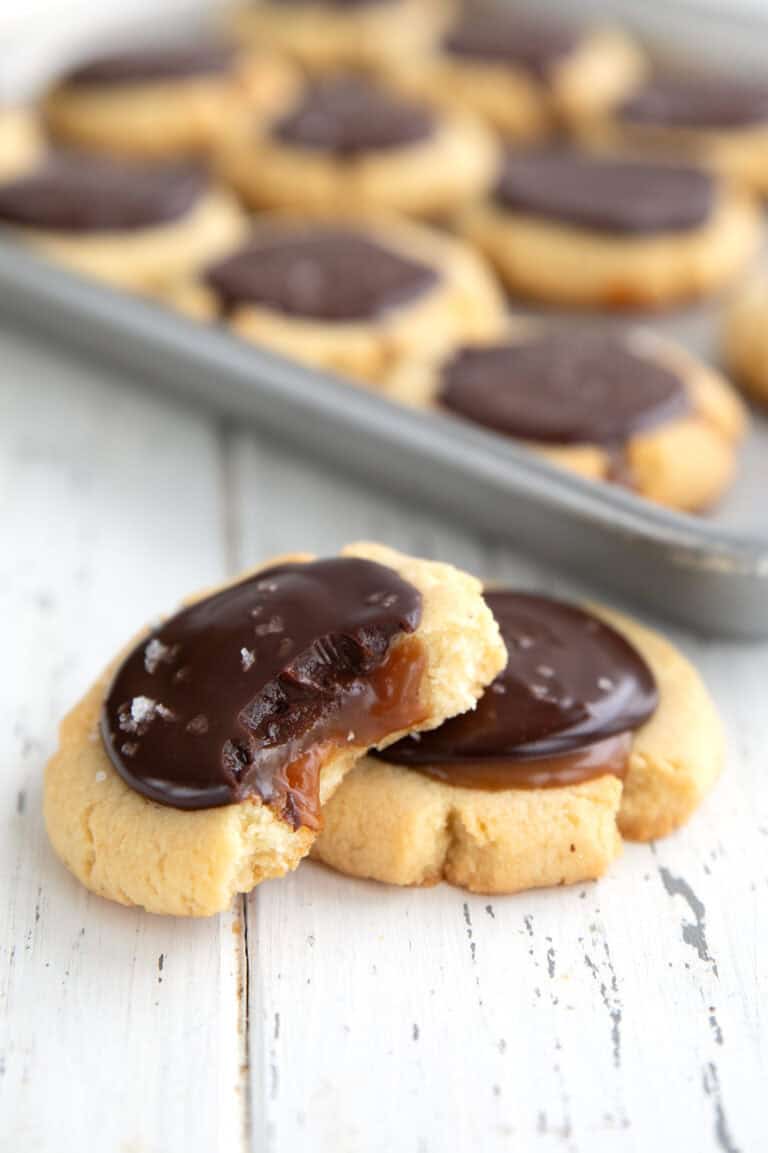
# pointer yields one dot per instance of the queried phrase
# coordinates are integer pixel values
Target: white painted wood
(620, 1017)
(118, 1030)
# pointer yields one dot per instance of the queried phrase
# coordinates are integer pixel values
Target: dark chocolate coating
(145, 65)
(348, 116)
(606, 195)
(500, 35)
(571, 681)
(572, 387)
(82, 193)
(328, 274)
(704, 103)
(211, 706)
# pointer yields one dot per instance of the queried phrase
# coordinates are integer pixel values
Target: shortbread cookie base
(167, 119)
(512, 101)
(428, 179)
(148, 259)
(328, 37)
(130, 849)
(558, 263)
(21, 143)
(467, 304)
(398, 825)
(685, 464)
(746, 337)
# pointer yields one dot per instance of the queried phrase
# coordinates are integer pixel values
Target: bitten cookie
(577, 230)
(21, 144)
(710, 119)
(352, 298)
(326, 35)
(134, 225)
(746, 337)
(164, 103)
(624, 407)
(197, 764)
(526, 790)
(522, 73)
(349, 145)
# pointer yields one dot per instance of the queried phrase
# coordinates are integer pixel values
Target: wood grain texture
(620, 1017)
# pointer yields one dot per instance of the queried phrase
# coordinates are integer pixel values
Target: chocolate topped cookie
(78, 193)
(197, 765)
(224, 700)
(347, 116)
(500, 35)
(571, 683)
(328, 274)
(581, 387)
(696, 102)
(606, 195)
(150, 64)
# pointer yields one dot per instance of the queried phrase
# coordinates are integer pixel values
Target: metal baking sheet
(711, 574)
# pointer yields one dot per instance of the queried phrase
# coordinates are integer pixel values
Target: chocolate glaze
(571, 387)
(245, 693)
(560, 711)
(688, 102)
(79, 193)
(348, 116)
(325, 273)
(502, 36)
(144, 65)
(606, 195)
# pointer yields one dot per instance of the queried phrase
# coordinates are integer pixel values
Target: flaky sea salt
(101, 776)
(247, 658)
(605, 683)
(141, 713)
(155, 653)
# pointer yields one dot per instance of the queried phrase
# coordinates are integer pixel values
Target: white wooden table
(326, 1014)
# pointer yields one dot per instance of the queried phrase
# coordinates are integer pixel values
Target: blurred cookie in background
(352, 298)
(324, 35)
(21, 142)
(163, 102)
(347, 144)
(520, 71)
(592, 231)
(746, 337)
(722, 122)
(627, 408)
(137, 226)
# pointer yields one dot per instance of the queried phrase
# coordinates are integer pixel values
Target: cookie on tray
(197, 765)
(328, 35)
(746, 337)
(163, 102)
(523, 72)
(714, 120)
(21, 142)
(347, 144)
(351, 297)
(593, 231)
(626, 406)
(597, 728)
(135, 225)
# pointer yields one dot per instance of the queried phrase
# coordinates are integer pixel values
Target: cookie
(722, 122)
(746, 337)
(21, 144)
(627, 407)
(591, 231)
(522, 73)
(597, 728)
(196, 766)
(353, 298)
(163, 103)
(349, 145)
(328, 35)
(136, 226)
